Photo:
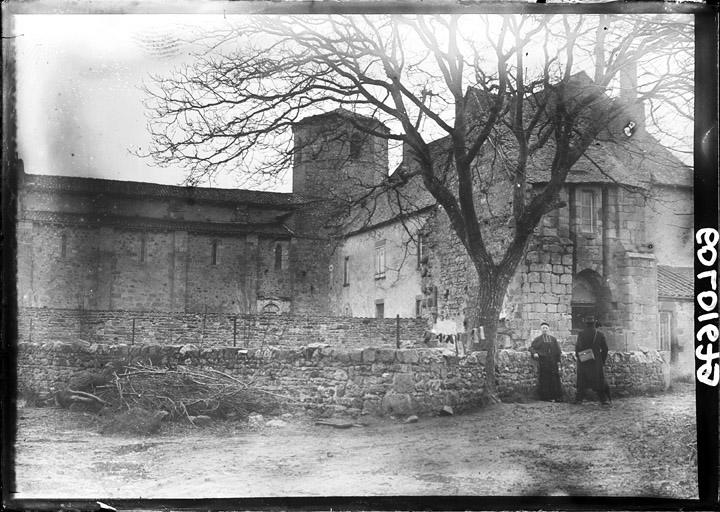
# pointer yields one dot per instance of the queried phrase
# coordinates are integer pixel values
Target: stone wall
(329, 380)
(48, 325)
(609, 260)
(113, 245)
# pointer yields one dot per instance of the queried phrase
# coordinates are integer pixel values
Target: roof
(79, 185)
(345, 115)
(125, 222)
(640, 161)
(675, 282)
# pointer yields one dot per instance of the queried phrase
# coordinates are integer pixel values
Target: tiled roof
(640, 161)
(675, 282)
(139, 189)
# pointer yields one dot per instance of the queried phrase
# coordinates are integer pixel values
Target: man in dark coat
(546, 350)
(590, 374)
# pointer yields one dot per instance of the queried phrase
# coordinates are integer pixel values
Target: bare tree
(471, 98)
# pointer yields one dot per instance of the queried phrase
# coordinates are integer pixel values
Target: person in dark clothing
(591, 351)
(546, 350)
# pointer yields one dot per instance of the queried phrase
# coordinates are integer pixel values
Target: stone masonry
(333, 380)
(112, 327)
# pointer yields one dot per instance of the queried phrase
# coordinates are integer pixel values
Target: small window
(379, 309)
(356, 145)
(421, 246)
(143, 248)
(63, 245)
(346, 271)
(380, 259)
(278, 257)
(214, 253)
(665, 330)
(588, 212)
(418, 308)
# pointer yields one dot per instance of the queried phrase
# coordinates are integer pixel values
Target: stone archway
(590, 297)
(271, 309)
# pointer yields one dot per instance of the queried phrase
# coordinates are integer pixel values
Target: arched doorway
(590, 297)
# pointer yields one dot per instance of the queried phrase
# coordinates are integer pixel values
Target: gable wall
(400, 286)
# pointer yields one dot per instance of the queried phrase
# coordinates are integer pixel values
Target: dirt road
(641, 446)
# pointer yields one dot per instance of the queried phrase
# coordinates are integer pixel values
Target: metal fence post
(202, 333)
(397, 331)
(234, 330)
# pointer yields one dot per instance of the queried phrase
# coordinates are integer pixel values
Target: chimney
(628, 82)
(634, 108)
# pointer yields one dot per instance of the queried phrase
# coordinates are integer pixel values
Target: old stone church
(620, 250)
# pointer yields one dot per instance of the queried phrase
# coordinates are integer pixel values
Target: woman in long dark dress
(546, 350)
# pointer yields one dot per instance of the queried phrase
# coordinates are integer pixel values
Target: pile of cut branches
(186, 392)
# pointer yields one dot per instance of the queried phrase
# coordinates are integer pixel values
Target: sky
(80, 98)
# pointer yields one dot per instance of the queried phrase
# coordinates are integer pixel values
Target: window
(421, 245)
(356, 145)
(346, 271)
(63, 245)
(278, 257)
(380, 259)
(379, 308)
(587, 211)
(143, 248)
(418, 308)
(665, 330)
(214, 253)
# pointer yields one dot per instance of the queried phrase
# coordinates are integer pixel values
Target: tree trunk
(485, 313)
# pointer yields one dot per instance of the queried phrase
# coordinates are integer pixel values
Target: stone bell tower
(335, 156)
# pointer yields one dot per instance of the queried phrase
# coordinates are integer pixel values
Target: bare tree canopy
(461, 93)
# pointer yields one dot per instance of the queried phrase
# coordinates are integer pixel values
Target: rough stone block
(398, 404)
(356, 355)
(386, 355)
(403, 383)
(408, 356)
(368, 355)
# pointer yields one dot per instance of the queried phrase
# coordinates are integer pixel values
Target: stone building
(628, 216)
(93, 244)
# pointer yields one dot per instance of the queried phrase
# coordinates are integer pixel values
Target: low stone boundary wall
(627, 373)
(212, 329)
(329, 380)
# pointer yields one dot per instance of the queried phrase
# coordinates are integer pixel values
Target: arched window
(278, 257)
(214, 253)
(143, 248)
